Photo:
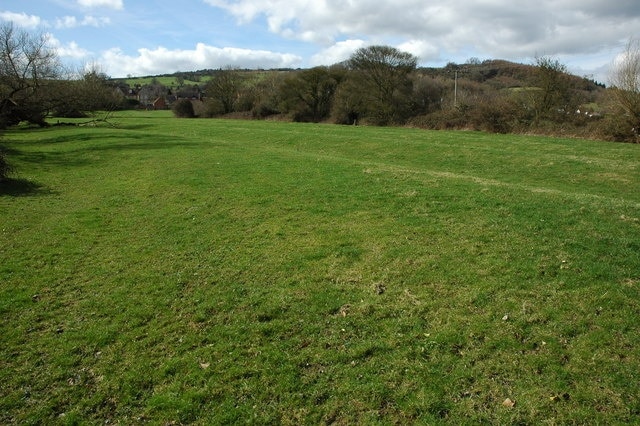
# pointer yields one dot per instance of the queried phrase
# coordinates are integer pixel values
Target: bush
(246, 100)
(183, 108)
(496, 114)
(212, 108)
(130, 103)
(618, 127)
(446, 119)
(200, 109)
(262, 110)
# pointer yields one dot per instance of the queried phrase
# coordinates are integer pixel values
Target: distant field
(165, 81)
(171, 81)
(214, 271)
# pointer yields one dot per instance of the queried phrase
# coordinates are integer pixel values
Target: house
(159, 103)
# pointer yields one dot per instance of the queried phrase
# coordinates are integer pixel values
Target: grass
(217, 271)
(169, 81)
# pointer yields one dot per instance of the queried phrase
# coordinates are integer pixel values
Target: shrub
(183, 108)
(496, 114)
(446, 119)
(618, 127)
(210, 108)
(262, 110)
(199, 108)
(246, 100)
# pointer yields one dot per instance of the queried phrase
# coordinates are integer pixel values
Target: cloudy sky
(142, 37)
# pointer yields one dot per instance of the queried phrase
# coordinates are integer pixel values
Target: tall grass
(213, 271)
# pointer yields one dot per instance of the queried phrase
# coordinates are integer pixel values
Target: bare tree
(553, 94)
(382, 74)
(224, 88)
(625, 79)
(27, 65)
(86, 91)
(307, 95)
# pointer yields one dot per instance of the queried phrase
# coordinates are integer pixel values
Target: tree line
(380, 85)
(377, 85)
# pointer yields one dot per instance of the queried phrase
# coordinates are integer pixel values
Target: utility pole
(455, 89)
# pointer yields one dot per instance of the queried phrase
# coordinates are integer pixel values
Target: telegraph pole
(455, 89)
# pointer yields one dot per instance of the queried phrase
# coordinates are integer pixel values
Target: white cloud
(423, 50)
(70, 50)
(491, 28)
(92, 21)
(21, 19)
(67, 22)
(343, 50)
(112, 4)
(339, 52)
(87, 21)
(162, 60)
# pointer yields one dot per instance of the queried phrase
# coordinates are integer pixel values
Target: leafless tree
(625, 81)
(307, 95)
(382, 75)
(552, 99)
(27, 65)
(224, 88)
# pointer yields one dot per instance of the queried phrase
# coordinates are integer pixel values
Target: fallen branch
(95, 121)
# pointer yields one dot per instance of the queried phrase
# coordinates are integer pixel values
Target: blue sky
(136, 37)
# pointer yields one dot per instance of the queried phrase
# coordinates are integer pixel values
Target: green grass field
(165, 81)
(171, 271)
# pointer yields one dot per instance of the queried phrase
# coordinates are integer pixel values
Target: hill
(498, 74)
(501, 74)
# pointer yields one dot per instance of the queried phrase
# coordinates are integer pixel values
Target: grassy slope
(221, 271)
(165, 81)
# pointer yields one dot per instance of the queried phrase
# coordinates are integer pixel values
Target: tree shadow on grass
(15, 187)
(115, 142)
